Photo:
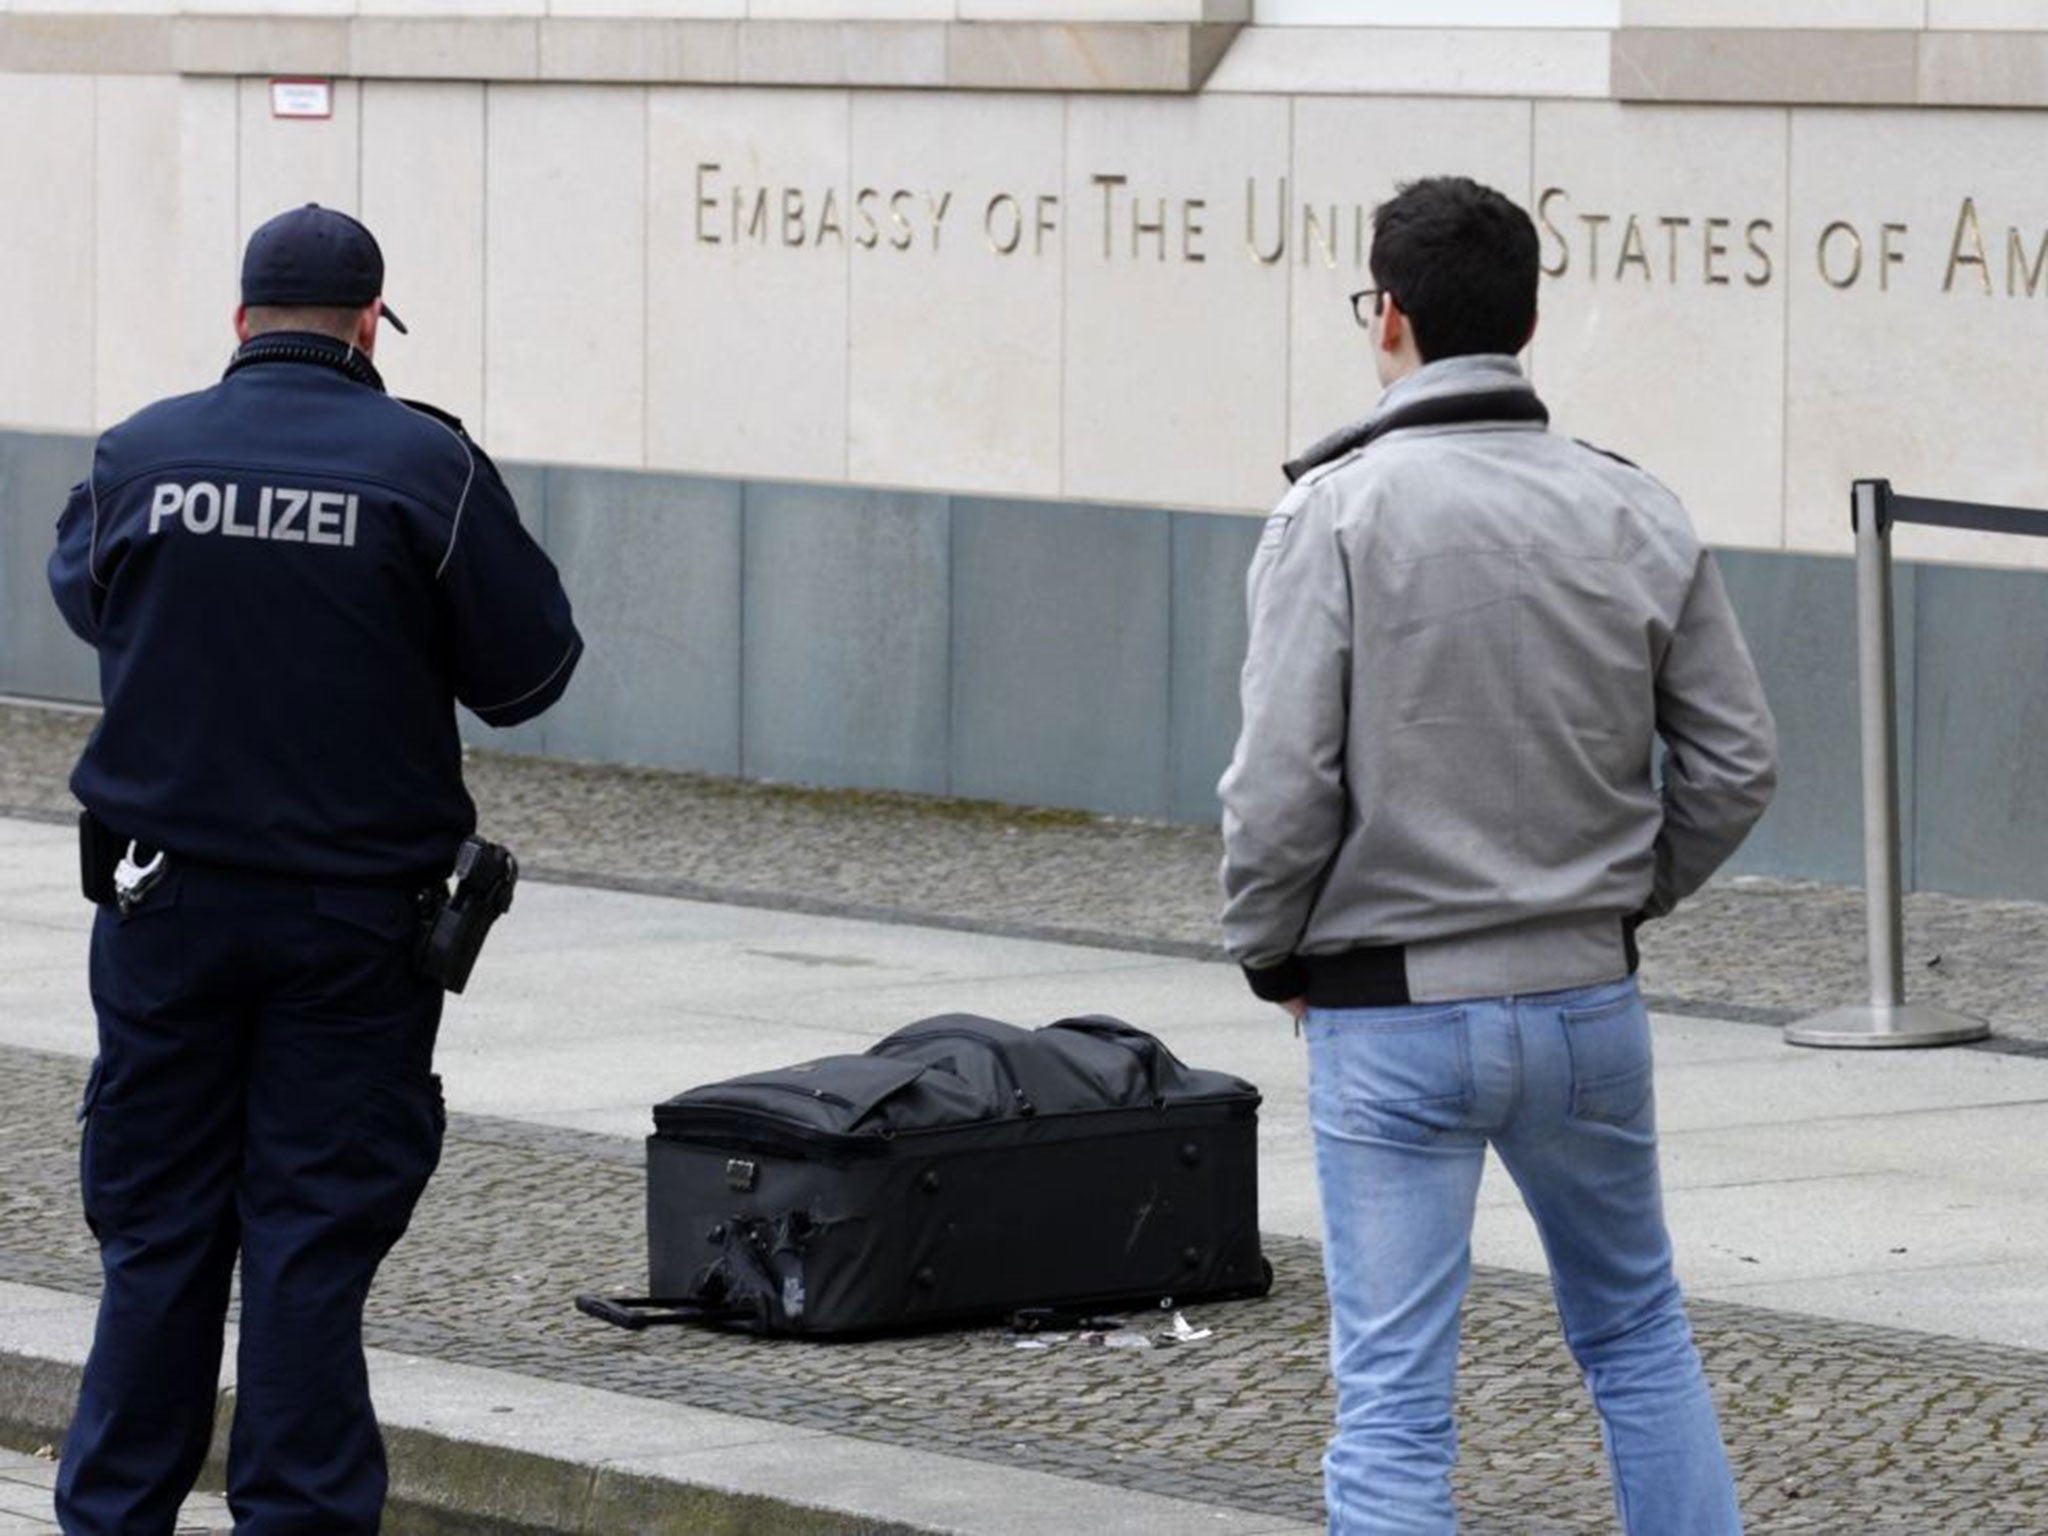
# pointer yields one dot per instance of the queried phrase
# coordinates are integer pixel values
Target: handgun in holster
(453, 927)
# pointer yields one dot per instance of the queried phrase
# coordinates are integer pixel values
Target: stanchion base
(1878, 1026)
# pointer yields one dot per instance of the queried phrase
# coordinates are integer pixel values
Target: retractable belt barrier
(1888, 1019)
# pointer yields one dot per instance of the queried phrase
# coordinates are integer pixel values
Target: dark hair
(1461, 261)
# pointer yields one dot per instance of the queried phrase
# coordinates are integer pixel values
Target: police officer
(290, 578)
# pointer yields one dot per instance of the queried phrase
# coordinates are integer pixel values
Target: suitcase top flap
(833, 1096)
(1129, 1056)
(1073, 1066)
(955, 1069)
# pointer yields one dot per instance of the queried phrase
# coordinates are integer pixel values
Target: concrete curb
(448, 1487)
(443, 1486)
(35, 1400)
(489, 1453)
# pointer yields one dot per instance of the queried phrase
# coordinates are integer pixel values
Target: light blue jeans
(1404, 1102)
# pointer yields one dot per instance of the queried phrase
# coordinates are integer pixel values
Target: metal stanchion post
(1888, 1020)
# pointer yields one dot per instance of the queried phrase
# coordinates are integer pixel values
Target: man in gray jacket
(1441, 827)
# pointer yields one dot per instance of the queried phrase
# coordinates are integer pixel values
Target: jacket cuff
(1279, 983)
(519, 710)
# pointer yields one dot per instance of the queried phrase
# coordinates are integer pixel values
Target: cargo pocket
(1395, 1074)
(1609, 1044)
(396, 1148)
(111, 1174)
(91, 1095)
(88, 1121)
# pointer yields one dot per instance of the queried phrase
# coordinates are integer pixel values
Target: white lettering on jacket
(284, 514)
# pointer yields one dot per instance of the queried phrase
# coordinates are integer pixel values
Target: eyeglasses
(1379, 297)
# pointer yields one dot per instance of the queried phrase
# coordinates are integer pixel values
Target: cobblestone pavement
(1835, 1428)
(1766, 950)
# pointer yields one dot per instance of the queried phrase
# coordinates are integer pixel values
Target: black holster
(453, 927)
(99, 850)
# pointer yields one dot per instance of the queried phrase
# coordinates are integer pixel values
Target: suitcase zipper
(743, 1130)
(757, 1131)
(822, 1095)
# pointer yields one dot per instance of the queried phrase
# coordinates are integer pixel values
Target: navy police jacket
(291, 578)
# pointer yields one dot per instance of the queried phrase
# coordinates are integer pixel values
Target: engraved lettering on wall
(1128, 220)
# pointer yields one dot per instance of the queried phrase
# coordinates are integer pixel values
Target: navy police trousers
(263, 1089)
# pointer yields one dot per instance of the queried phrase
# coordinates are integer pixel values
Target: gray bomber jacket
(1466, 639)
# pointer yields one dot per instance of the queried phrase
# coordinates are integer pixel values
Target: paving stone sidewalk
(1764, 950)
(1835, 1428)
(25, 1500)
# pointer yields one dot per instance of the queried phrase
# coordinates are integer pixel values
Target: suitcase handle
(634, 1313)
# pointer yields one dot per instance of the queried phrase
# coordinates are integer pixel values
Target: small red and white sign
(302, 98)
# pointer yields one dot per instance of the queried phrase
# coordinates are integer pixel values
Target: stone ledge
(1779, 66)
(1147, 57)
(1007, 56)
(1984, 69)
(443, 48)
(86, 45)
(1816, 67)
(1414, 61)
(257, 45)
(1860, 68)
(641, 51)
(881, 53)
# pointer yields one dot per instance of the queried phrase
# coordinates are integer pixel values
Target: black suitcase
(961, 1168)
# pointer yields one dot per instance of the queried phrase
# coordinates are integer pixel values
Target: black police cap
(314, 255)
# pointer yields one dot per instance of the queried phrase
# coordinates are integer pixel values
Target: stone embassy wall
(951, 408)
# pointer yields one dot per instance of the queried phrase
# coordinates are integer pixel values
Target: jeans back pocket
(1398, 1074)
(1609, 1045)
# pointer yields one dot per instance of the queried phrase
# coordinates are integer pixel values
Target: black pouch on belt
(454, 929)
(99, 849)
